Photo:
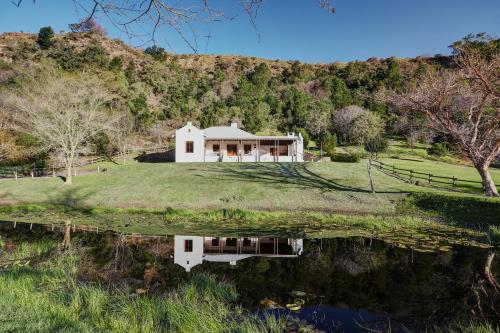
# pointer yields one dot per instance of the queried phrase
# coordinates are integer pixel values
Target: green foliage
(44, 38)
(305, 136)
(212, 114)
(340, 95)
(102, 145)
(116, 63)
(482, 42)
(158, 53)
(376, 145)
(4, 65)
(439, 149)
(330, 142)
(456, 209)
(295, 108)
(138, 106)
(352, 157)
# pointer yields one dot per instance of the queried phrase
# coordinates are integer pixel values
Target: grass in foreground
(47, 297)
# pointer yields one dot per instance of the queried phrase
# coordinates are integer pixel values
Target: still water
(348, 284)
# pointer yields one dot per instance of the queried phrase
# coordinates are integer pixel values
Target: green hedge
(345, 157)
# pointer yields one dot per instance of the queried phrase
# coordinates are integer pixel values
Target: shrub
(116, 63)
(44, 37)
(345, 157)
(438, 149)
(376, 145)
(158, 53)
(4, 65)
(330, 142)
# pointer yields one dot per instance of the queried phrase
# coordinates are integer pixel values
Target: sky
(298, 29)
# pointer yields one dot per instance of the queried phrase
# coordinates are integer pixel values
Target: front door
(232, 150)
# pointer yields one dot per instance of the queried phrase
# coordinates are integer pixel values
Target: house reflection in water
(190, 251)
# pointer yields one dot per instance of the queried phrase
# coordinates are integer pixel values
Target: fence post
(15, 172)
(453, 184)
(98, 169)
(430, 178)
(393, 170)
(53, 172)
(411, 176)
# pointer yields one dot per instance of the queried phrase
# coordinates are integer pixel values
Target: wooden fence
(43, 170)
(428, 179)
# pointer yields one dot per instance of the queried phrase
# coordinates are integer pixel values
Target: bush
(345, 157)
(376, 145)
(116, 63)
(438, 149)
(158, 53)
(44, 37)
(330, 142)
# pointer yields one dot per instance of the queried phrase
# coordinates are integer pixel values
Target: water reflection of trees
(355, 273)
(433, 287)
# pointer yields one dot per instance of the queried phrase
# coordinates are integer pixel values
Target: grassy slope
(335, 187)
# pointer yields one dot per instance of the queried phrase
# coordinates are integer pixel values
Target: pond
(349, 284)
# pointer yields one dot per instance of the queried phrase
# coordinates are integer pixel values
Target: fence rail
(427, 178)
(43, 170)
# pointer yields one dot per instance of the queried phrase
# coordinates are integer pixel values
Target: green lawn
(440, 168)
(338, 187)
(330, 187)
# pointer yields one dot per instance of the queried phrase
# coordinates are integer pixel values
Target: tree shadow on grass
(288, 173)
(70, 197)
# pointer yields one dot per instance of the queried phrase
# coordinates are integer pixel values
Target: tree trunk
(370, 175)
(490, 190)
(69, 176)
(66, 244)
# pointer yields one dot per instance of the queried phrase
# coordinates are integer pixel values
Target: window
(216, 148)
(189, 147)
(232, 150)
(283, 150)
(188, 245)
(247, 149)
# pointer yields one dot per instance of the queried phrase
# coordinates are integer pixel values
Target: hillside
(163, 91)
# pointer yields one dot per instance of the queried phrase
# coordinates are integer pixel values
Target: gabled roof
(226, 132)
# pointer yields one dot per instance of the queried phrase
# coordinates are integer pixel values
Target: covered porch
(264, 149)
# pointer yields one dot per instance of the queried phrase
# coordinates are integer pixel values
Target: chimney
(235, 125)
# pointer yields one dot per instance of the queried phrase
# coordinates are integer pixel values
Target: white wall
(300, 148)
(189, 133)
(188, 259)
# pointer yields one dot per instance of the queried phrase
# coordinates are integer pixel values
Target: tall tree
(463, 103)
(63, 113)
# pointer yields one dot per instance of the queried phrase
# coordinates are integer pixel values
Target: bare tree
(318, 123)
(122, 134)
(63, 113)
(465, 104)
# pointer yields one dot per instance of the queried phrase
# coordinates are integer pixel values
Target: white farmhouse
(190, 251)
(232, 144)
